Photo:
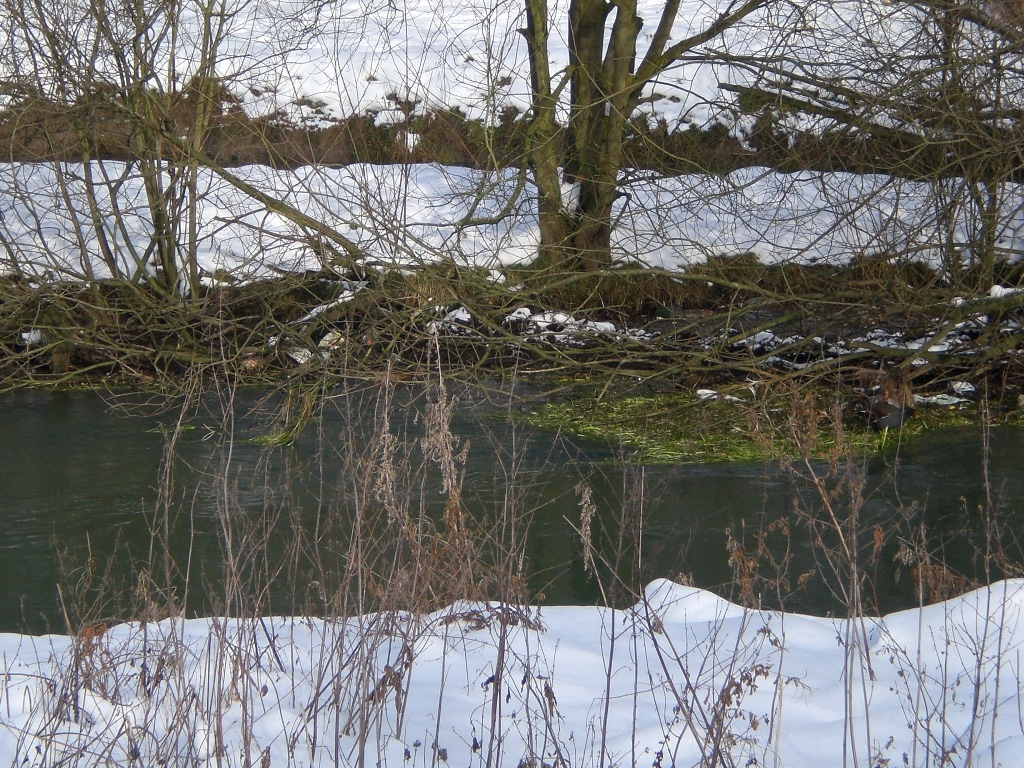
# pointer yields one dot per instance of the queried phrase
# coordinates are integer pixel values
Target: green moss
(284, 437)
(660, 428)
(681, 427)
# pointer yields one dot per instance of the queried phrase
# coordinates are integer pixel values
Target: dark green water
(79, 476)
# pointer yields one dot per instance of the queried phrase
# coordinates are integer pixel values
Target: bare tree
(927, 91)
(127, 93)
(606, 78)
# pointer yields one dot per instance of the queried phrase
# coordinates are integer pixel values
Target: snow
(681, 678)
(321, 62)
(317, 63)
(405, 216)
(314, 64)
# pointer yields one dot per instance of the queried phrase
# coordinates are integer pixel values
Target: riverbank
(680, 678)
(709, 349)
(414, 636)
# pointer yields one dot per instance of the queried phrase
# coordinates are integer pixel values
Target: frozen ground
(409, 215)
(319, 62)
(315, 63)
(681, 679)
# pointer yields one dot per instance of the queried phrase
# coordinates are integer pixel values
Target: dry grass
(387, 578)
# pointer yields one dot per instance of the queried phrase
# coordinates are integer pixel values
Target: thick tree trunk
(587, 243)
(605, 81)
(602, 96)
(149, 151)
(544, 137)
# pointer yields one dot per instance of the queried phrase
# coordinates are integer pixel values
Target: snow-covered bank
(404, 215)
(683, 678)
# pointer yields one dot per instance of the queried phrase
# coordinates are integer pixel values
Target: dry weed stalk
(382, 556)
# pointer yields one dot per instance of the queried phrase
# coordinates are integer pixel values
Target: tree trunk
(576, 234)
(605, 81)
(543, 141)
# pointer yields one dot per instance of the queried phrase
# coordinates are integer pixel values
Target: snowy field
(682, 679)
(313, 64)
(413, 215)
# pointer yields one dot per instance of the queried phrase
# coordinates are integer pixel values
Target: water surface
(82, 472)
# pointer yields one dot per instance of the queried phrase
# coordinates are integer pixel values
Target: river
(80, 482)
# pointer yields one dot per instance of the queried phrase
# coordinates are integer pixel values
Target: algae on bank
(684, 427)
